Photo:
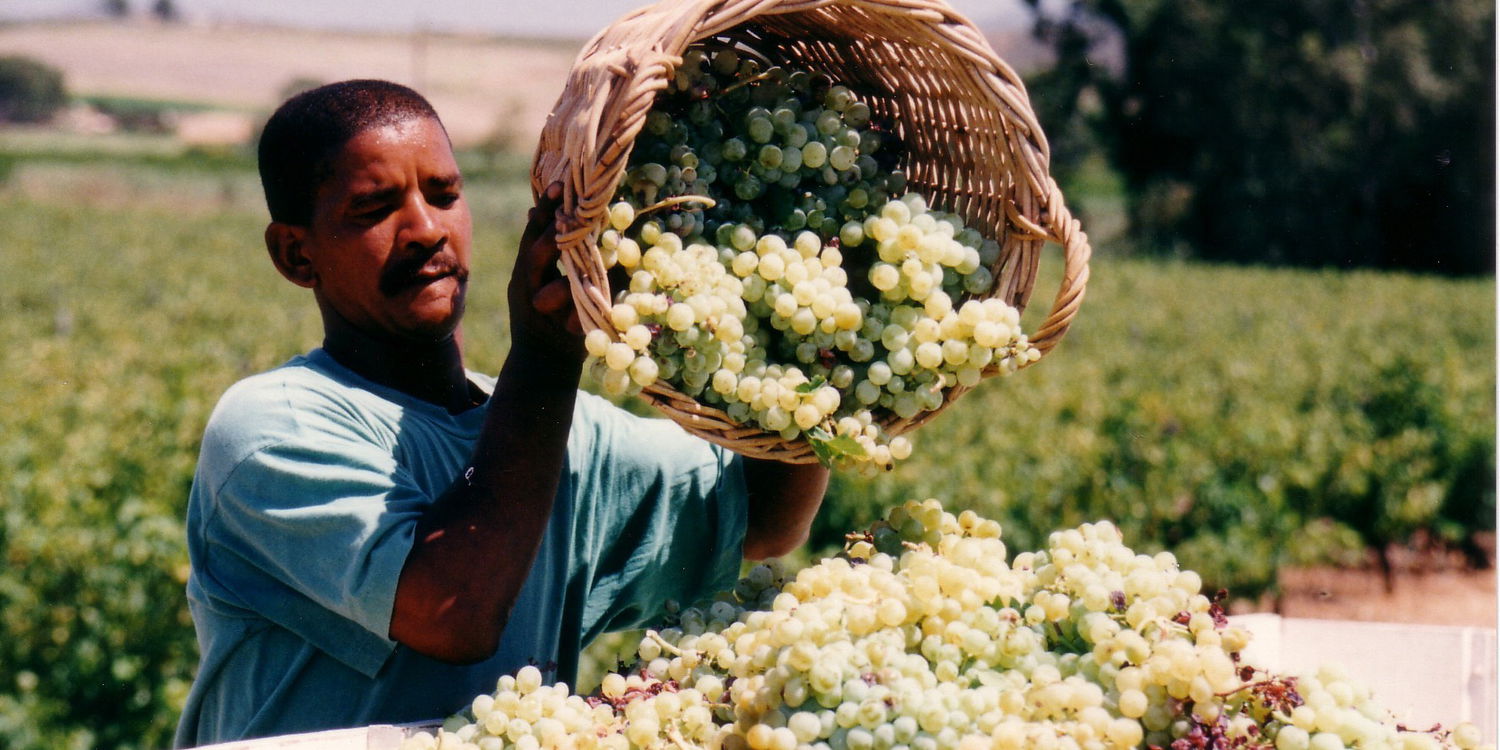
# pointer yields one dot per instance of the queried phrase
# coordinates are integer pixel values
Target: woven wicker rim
(973, 147)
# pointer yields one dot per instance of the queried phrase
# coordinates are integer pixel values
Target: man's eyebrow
(377, 195)
(446, 182)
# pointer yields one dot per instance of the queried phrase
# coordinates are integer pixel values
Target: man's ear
(287, 244)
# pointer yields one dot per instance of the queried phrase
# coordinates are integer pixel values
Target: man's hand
(543, 321)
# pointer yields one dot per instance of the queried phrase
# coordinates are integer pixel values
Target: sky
(549, 18)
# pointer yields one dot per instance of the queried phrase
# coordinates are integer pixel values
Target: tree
(30, 90)
(1310, 132)
(165, 10)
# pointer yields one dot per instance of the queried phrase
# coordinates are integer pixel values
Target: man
(377, 533)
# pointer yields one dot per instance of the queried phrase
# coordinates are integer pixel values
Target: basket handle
(1065, 230)
(1054, 224)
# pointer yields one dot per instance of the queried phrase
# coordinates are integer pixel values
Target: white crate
(378, 737)
(1425, 674)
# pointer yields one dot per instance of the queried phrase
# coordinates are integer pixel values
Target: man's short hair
(307, 130)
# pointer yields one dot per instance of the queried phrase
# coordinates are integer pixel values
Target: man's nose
(421, 225)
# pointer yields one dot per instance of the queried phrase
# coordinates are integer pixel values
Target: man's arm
(783, 499)
(475, 547)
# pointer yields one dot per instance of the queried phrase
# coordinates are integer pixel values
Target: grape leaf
(830, 447)
(812, 385)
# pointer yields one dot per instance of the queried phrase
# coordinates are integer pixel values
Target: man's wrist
(543, 364)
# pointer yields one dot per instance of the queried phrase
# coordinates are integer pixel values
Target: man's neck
(431, 371)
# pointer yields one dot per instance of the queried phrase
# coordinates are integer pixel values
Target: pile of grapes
(772, 263)
(920, 636)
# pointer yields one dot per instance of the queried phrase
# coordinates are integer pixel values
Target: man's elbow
(463, 652)
(770, 543)
(449, 644)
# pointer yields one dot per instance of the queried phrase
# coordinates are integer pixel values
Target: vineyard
(1247, 419)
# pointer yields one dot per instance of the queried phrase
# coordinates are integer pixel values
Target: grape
(1466, 736)
(621, 213)
(791, 158)
(770, 157)
(752, 304)
(827, 122)
(734, 149)
(838, 98)
(772, 267)
(814, 154)
(841, 158)
(748, 187)
(760, 129)
(643, 371)
(638, 337)
(920, 634)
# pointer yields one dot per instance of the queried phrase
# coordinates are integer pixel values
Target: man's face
(390, 232)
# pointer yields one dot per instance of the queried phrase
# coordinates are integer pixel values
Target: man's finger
(540, 261)
(553, 298)
(542, 214)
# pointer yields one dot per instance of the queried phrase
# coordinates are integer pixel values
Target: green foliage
(297, 85)
(141, 115)
(1415, 465)
(1245, 419)
(1306, 132)
(106, 317)
(1216, 412)
(122, 325)
(165, 10)
(30, 90)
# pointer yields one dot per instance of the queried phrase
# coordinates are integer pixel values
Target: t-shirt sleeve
(662, 511)
(311, 531)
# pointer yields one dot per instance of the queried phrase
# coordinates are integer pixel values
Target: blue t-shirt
(307, 494)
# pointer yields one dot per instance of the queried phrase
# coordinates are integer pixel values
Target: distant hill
(484, 87)
(554, 19)
(1018, 48)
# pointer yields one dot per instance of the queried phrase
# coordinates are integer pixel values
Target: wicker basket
(972, 146)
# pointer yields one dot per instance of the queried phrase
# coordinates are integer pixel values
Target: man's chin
(438, 304)
(433, 324)
(434, 331)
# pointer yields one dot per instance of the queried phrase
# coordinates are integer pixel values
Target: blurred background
(1284, 371)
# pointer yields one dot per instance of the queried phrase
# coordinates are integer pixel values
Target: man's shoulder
(274, 406)
(266, 394)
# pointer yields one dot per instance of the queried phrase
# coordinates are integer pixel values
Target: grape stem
(1241, 688)
(752, 79)
(667, 647)
(676, 200)
(680, 741)
(1164, 625)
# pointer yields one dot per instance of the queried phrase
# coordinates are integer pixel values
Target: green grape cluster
(773, 265)
(921, 636)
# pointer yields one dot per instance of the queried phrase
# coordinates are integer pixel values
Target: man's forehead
(378, 156)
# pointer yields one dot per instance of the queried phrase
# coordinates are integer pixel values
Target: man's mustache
(419, 269)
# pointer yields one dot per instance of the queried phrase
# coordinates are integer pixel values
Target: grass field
(1246, 418)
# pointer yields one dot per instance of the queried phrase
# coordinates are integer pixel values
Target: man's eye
(445, 199)
(372, 213)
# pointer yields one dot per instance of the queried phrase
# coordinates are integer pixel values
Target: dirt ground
(1432, 597)
(480, 86)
